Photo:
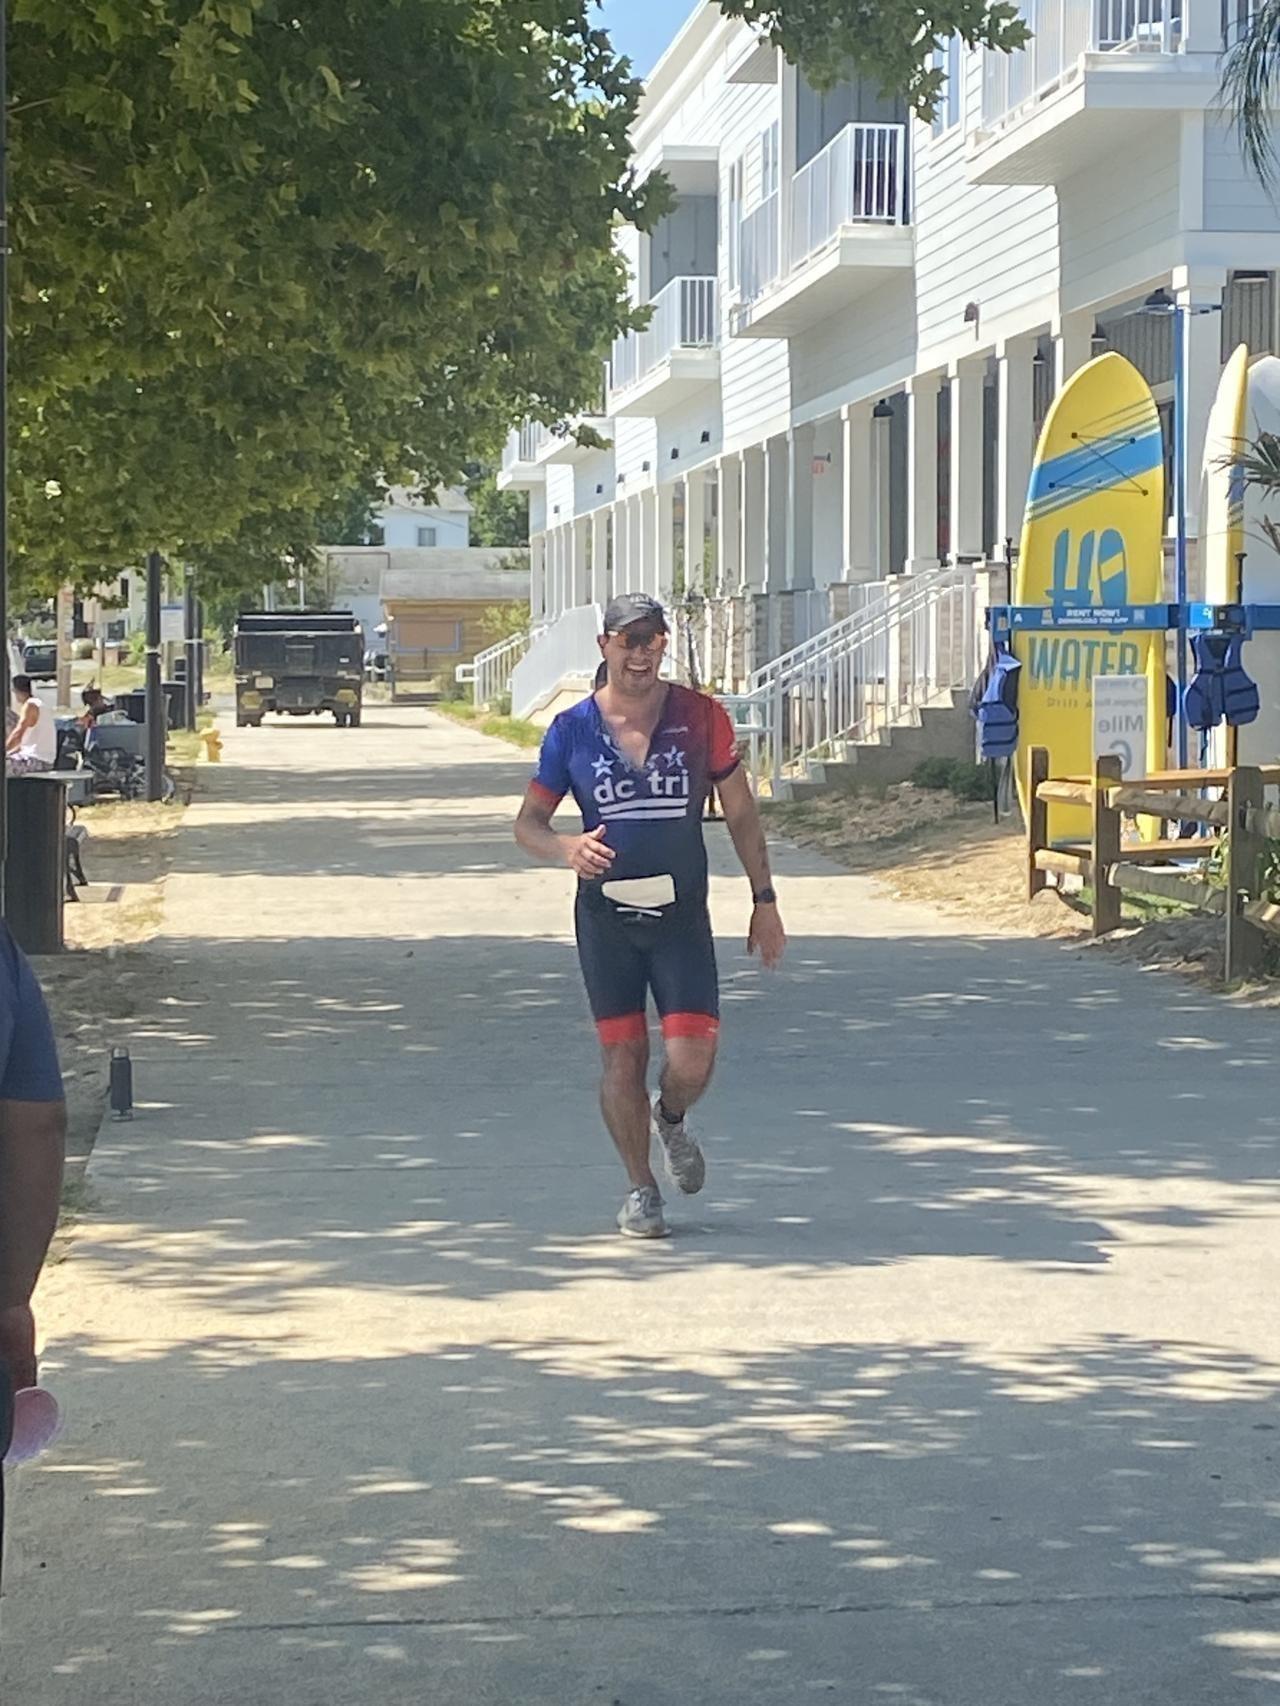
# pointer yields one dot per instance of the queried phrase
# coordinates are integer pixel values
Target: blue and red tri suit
(653, 822)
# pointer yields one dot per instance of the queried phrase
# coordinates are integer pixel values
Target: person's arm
(766, 935)
(586, 855)
(32, 1144)
(26, 721)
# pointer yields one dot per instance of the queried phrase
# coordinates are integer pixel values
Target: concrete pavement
(956, 1388)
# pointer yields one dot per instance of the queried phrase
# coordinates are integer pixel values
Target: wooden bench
(76, 837)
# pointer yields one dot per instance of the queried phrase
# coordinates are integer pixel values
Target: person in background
(97, 707)
(32, 744)
(33, 1134)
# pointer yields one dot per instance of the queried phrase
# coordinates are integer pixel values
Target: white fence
(860, 177)
(489, 672)
(685, 316)
(759, 248)
(1063, 30)
(565, 648)
(916, 638)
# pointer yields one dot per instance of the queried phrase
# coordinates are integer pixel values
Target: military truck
(299, 663)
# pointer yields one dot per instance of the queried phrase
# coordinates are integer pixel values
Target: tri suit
(644, 926)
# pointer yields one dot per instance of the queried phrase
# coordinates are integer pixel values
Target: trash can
(175, 703)
(35, 866)
(133, 704)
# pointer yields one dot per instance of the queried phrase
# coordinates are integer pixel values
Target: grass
(512, 729)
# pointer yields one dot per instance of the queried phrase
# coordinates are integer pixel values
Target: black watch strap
(766, 897)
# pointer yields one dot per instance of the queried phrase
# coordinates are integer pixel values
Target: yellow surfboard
(1222, 500)
(1092, 536)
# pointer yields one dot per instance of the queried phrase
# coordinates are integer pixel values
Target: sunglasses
(642, 640)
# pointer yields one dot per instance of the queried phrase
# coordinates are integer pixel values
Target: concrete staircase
(943, 729)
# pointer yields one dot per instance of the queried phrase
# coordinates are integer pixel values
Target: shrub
(967, 781)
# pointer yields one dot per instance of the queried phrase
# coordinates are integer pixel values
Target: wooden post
(1246, 944)
(1037, 818)
(1106, 845)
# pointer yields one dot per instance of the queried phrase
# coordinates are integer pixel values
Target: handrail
(490, 670)
(685, 316)
(859, 178)
(1062, 31)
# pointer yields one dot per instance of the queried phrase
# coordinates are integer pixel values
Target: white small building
(408, 521)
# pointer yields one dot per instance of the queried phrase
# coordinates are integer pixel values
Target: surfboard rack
(1006, 619)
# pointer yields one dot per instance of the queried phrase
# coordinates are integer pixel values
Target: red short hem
(631, 1028)
(700, 1025)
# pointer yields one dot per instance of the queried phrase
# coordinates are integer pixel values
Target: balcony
(523, 464)
(1083, 89)
(675, 356)
(847, 234)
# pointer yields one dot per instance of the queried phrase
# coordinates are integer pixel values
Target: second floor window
(950, 61)
(733, 205)
(426, 536)
(769, 162)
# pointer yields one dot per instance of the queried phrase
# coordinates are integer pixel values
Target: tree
(266, 255)
(497, 518)
(890, 42)
(1251, 82)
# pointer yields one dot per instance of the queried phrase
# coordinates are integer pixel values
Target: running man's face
(634, 656)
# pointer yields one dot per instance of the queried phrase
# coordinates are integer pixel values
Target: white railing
(916, 638)
(489, 672)
(759, 248)
(566, 647)
(1061, 32)
(859, 178)
(685, 316)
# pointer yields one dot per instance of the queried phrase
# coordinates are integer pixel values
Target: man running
(639, 756)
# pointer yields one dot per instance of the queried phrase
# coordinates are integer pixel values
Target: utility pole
(155, 693)
(191, 621)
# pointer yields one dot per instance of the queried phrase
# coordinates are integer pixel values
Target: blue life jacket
(995, 704)
(1219, 688)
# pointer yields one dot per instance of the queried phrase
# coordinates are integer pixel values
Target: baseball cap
(629, 607)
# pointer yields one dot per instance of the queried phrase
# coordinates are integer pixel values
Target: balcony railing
(685, 316)
(1063, 30)
(860, 178)
(533, 435)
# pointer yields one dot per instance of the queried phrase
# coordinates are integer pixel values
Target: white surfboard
(1222, 501)
(1259, 743)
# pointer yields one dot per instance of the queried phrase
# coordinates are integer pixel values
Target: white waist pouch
(641, 894)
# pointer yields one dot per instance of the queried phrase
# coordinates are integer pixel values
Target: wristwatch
(766, 897)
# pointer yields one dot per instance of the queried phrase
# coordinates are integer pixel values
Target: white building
(408, 521)
(859, 319)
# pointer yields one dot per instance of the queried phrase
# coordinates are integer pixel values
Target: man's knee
(626, 1062)
(691, 1061)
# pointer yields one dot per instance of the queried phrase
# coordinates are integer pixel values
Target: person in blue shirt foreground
(33, 1133)
(639, 757)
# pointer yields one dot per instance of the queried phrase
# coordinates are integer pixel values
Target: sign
(173, 622)
(1120, 722)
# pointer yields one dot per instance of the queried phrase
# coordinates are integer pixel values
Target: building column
(695, 531)
(1015, 444)
(580, 533)
(665, 552)
(967, 379)
(728, 526)
(537, 576)
(856, 507)
(598, 590)
(1199, 287)
(755, 513)
(800, 442)
(881, 489)
(1072, 345)
(922, 472)
(777, 482)
(647, 578)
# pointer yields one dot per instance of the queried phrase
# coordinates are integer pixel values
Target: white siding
(870, 346)
(1234, 200)
(1120, 228)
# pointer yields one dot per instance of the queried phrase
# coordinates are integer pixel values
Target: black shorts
(623, 957)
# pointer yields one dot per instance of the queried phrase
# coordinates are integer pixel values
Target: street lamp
(1161, 302)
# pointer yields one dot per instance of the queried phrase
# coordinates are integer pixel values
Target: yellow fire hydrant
(212, 746)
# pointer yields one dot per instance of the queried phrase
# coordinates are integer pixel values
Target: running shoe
(641, 1215)
(686, 1166)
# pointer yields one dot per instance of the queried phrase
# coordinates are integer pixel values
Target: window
(377, 536)
(426, 536)
(733, 202)
(769, 162)
(949, 60)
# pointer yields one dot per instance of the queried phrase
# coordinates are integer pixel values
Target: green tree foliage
(1251, 85)
(498, 519)
(268, 254)
(890, 42)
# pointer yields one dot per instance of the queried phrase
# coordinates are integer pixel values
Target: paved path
(958, 1386)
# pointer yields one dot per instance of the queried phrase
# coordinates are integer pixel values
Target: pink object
(37, 1422)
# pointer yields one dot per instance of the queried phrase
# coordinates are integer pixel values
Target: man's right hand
(589, 856)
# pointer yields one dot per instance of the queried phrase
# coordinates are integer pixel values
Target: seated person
(32, 745)
(98, 708)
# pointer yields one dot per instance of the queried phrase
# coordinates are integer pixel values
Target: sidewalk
(956, 1388)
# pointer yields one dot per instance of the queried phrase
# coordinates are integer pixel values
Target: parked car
(40, 660)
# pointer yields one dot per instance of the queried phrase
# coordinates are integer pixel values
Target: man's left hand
(18, 1345)
(766, 936)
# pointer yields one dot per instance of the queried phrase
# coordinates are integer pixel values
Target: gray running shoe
(641, 1215)
(686, 1166)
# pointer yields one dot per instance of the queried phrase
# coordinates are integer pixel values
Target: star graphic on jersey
(603, 767)
(674, 758)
